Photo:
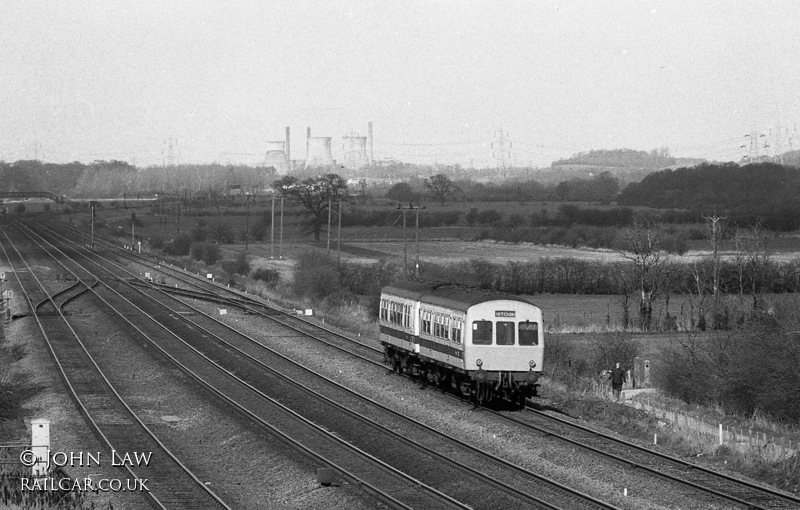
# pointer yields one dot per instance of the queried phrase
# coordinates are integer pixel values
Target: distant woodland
(765, 192)
(115, 178)
(745, 194)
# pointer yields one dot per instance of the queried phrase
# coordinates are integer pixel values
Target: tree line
(118, 178)
(764, 192)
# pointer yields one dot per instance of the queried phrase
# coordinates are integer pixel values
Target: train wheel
(397, 364)
(480, 394)
(443, 381)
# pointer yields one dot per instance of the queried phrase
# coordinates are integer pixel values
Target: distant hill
(617, 158)
(745, 193)
(626, 164)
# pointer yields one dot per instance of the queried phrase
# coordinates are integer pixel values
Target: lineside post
(40, 445)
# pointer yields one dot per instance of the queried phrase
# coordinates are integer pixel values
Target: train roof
(448, 295)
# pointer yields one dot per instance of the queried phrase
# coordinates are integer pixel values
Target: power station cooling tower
(318, 153)
(276, 156)
(354, 148)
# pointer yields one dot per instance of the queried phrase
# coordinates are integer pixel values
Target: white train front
(484, 344)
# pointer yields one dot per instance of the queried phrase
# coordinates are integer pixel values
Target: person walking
(617, 380)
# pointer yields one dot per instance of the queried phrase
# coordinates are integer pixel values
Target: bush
(489, 217)
(269, 275)
(315, 276)
(610, 348)
(559, 353)
(207, 252)
(242, 263)
(157, 241)
(261, 227)
(515, 220)
(472, 216)
(221, 233)
(401, 192)
(199, 234)
(749, 371)
(179, 246)
(339, 298)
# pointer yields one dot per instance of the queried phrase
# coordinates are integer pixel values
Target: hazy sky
(101, 80)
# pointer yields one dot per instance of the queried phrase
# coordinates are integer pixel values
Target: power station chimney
(288, 147)
(369, 140)
(308, 137)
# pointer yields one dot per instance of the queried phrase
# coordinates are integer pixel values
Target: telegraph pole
(280, 246)
(92, 227)
(339, 235)
(716, 228)
(246, 221)
(272, 229)
(415, 208)
(501, 152)
(329, 222)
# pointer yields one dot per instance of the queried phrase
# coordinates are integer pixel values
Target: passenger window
(482, 333)
(505, 333)
(528, 333)
(456, 331)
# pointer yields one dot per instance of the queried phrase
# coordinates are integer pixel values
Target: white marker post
(40, 445)
(7, 295)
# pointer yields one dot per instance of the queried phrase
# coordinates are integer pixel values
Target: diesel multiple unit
(483, 344)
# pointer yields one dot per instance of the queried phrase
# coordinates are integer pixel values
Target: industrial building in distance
(356, 152)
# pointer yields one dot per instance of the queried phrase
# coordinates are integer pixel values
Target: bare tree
(441, 187)
(316, 196)
(700, 272)
(753, 259)
(644, 247)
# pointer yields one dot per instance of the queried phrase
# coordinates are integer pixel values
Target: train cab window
(505, 333)
(528, 333)
(384, 310)
(482, 333)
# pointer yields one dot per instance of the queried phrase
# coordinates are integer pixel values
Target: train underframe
(479, 386)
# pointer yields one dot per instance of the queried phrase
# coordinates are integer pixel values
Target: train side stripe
(423, 342)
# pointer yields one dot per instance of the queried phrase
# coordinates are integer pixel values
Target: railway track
(389, 485)
(371, 426)
(163, 481)
(717, 486)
